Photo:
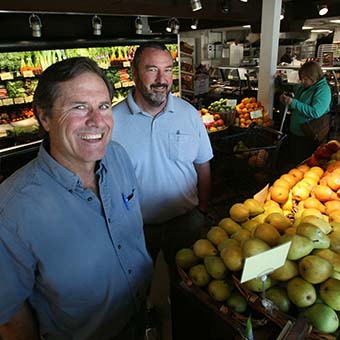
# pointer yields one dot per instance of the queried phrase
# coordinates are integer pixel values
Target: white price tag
(208, 118)
(6, 76)
(1, 103)
(28, 74)
(8, 101)
(117, 85)
(256, 114)
(19, 100)
(126, 64)
(126, 84)
(231, 102)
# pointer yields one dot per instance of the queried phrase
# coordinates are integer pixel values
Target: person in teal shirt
(311, 100)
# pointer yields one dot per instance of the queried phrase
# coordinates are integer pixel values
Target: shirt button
(119, 246)
(70, 190)
(89, 199)
(129, 271)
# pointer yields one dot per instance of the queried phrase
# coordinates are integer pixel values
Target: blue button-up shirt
(80, 261)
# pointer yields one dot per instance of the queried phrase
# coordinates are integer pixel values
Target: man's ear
(44, 120)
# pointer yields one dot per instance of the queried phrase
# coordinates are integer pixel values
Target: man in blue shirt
(73, 261)
(170, 151)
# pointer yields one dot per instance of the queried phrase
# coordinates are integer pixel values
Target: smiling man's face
(80, 124)
(153, 78)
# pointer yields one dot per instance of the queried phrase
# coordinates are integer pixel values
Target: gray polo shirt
(163, 150)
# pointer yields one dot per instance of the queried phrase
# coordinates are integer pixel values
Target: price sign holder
(260, 265)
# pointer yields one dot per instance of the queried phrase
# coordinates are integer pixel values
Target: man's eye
(152, 69)
(168, 70)
(80, 107)
(105, 106)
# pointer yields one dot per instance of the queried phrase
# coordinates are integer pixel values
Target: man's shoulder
(120, 106)
(180, 103)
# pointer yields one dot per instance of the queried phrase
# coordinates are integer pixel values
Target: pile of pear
(308, 284)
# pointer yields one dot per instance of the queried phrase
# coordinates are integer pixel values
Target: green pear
(317, 222)
(229, 225)
(316, 235)
(186, 258)
(279, 221)
(216, 235)
(253, 246)
(255, 207)
(241, 235)
(232, 257)
(301, 292)
(259, 218)
(286, 272)
(199, 275)
(215, 267)
(335, 275)
(300, 246)
(257, 285)
(279, 297)
(219, 290)
(330, 293)
(226, 243)
(329, 255)
(315, 269)
(203, 248)
(322, 317)
(267, 233)
(237, 302)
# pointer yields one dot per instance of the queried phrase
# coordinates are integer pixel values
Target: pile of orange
(244, 109)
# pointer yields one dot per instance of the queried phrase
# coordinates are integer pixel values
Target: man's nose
(94, 117)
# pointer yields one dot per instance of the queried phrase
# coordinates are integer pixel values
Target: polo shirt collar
(63, 176)
(134, 108)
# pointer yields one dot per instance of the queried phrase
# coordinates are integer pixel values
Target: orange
(333, 181)
(282, 182)
(298, 174)
(303, 167)
(289, 178)
(312, 174)
(317, 169)
(279, 194)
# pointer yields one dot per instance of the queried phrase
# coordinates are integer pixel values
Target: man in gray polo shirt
(170, 151)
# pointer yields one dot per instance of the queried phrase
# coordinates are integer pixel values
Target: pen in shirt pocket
(126, 199)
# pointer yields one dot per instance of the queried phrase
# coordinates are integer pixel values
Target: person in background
(312, 99)
(170, 151)
(73, 260)
(287, 56)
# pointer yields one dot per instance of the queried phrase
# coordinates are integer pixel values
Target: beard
(154, 98)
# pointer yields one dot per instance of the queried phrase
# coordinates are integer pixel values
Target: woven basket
(276, 316)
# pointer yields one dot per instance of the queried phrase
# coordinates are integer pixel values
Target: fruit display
(249, 111)
(213, 122)
(301, 206)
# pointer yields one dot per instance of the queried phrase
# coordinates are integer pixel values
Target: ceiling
(65, 19)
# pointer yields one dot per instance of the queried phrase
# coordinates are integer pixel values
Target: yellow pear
(216, 235)
(250, 225)
(301, 246)
(227, 243)
(232, 257)
(253, 246)
(203, 248)
(267, 233)
(286, 272)
(329, 255)
(311, 211)
(239, 212)
(335, 226)
(317, 222)
(291, 230)
(334, 216)
(315, 269)
(259, 218)
(315, 234)
(279, 221)
(254, 206)
(241, 235)
(334, 238)
(229, 225)
(330, 293)
(288, 205)
(301, 292)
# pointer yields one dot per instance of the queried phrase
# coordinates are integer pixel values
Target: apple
(219, 122)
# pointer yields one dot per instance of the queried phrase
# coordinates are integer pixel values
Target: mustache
(159, 85)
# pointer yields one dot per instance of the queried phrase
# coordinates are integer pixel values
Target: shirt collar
(134, 108)
(63, 176)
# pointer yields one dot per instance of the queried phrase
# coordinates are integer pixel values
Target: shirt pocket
(183, 147)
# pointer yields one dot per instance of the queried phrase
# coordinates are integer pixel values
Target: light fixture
(323, 9)
(139, 25)
(96, 25)
(35, 25)
(173, 26)
(225, 5)
(282, 14)
(195, 5)
(244, 0)
(194, 24)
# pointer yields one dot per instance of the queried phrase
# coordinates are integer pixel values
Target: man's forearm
(203, 184)
(22, 326)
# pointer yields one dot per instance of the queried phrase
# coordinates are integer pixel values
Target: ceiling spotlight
(323, 9)
(96, 25)
(173, 26)
(225, 5)
(282, 14)
(194, 24)
(244, 0)
(195, 5)
(139, 25)
(35, 25)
